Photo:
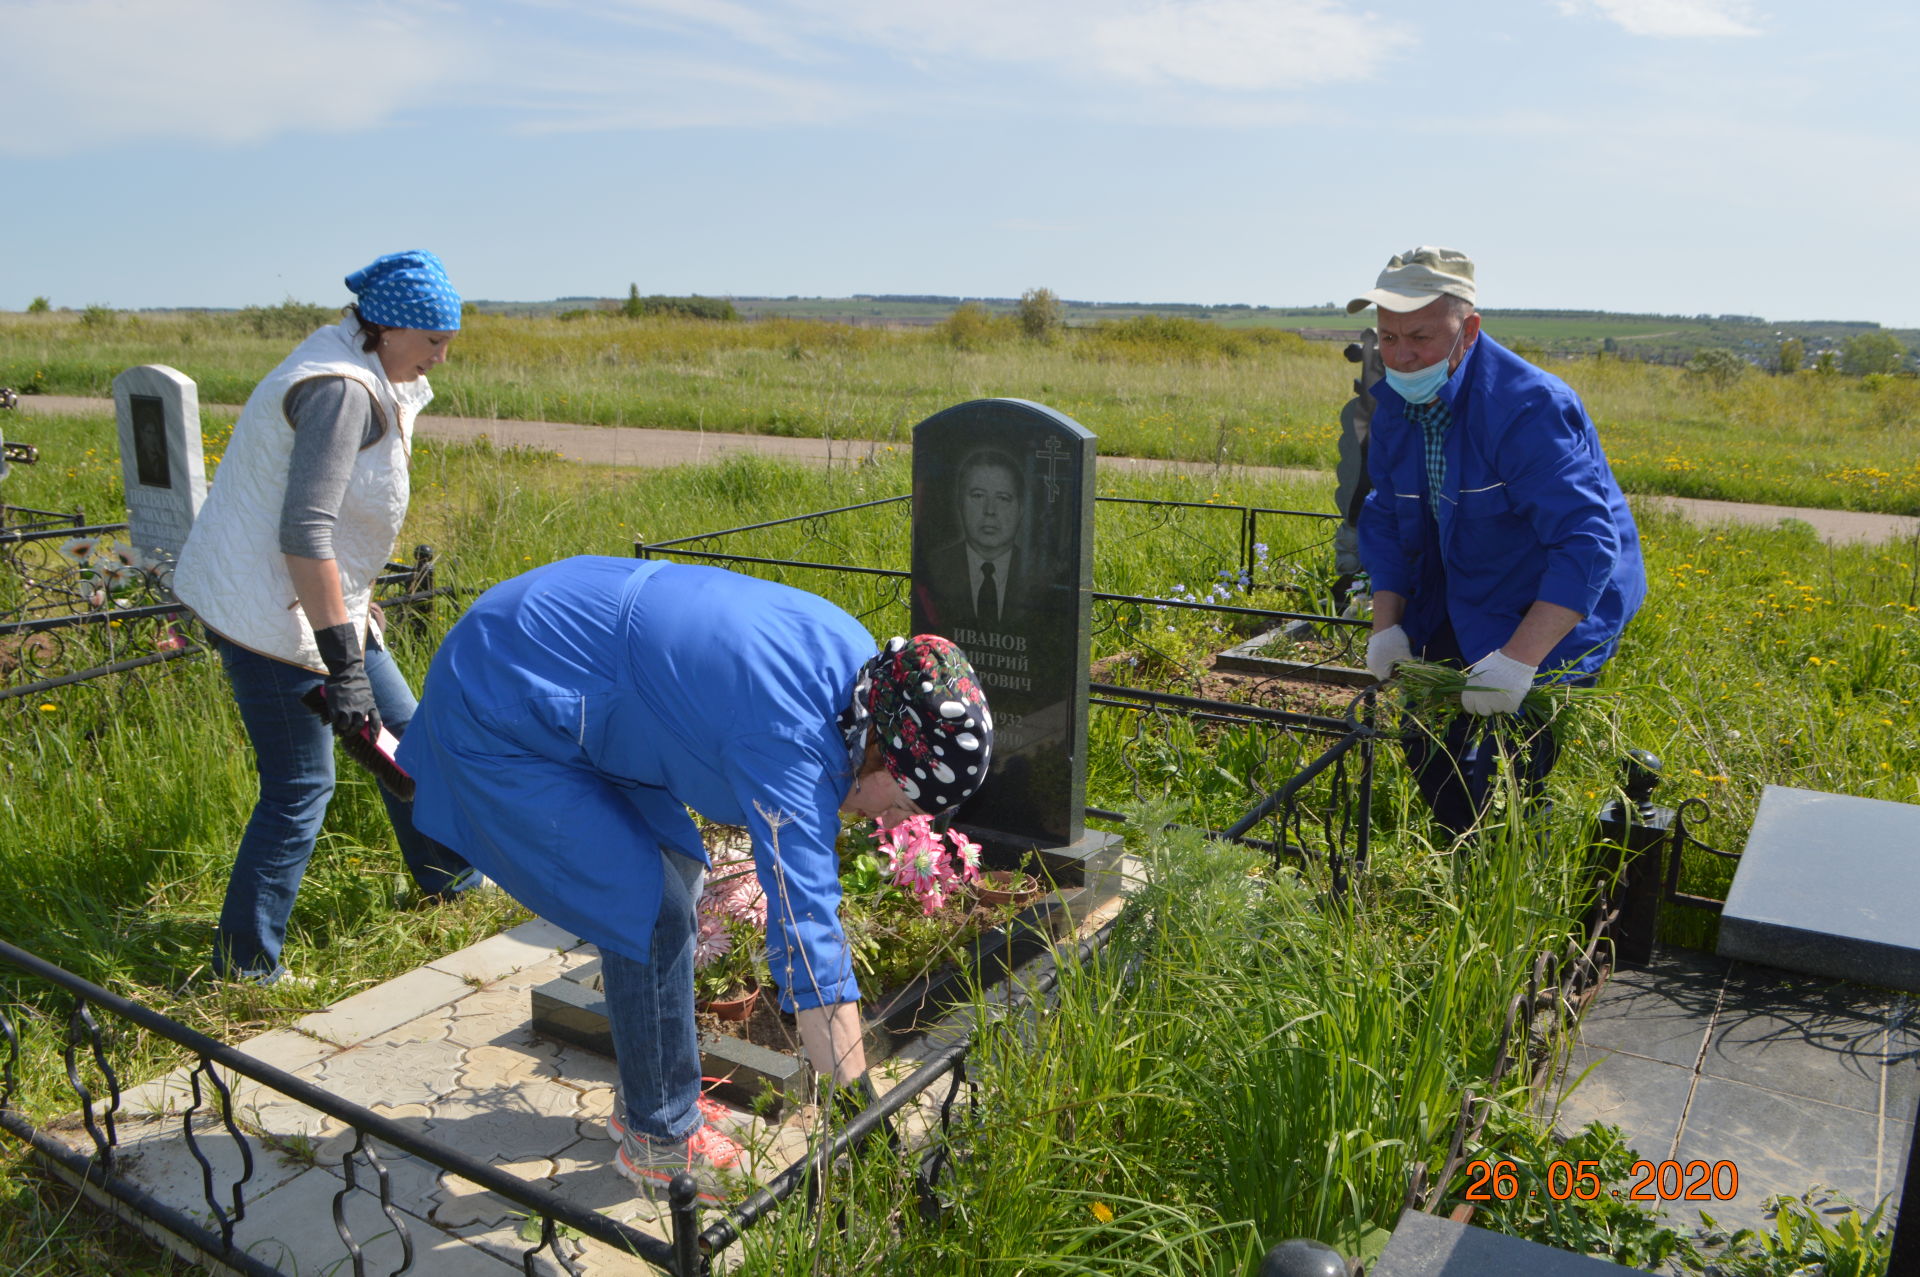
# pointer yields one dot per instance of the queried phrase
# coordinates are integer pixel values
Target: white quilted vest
(231, 571)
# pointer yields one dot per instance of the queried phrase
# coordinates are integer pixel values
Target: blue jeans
(293, 750)
(650, 1012)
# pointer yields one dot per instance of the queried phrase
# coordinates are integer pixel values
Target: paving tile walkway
(1797, 1080)
(446, 1050)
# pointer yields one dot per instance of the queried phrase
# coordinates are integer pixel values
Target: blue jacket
(1529, 510)
(574, 709)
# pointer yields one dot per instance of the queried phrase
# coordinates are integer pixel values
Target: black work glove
(350, 704)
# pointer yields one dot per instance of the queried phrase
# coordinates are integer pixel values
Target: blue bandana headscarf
(407, 290)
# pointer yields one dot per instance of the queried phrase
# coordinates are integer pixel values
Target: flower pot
(1007, 887)
(737, 1007)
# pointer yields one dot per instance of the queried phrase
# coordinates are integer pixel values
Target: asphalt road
(633, 446)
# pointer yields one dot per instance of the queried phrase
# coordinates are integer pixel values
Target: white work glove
(1385, 648)
(1497, 684)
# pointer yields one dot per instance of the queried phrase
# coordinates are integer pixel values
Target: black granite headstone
(1003, 566)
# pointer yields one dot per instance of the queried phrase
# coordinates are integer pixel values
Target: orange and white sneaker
(652, 1164)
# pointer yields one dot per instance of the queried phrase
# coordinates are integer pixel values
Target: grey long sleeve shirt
(333, 418)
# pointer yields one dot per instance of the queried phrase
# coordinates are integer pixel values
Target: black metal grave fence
(77, 606)
(1305, 778)
(213, 1129)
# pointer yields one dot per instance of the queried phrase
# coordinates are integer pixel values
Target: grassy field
(1761, 657)
(1151, 388)
(1664, 338)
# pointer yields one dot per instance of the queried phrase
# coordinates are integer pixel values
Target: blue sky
(1744, 156)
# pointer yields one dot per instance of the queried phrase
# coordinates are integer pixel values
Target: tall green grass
(1149, 387)
(1244, 1063)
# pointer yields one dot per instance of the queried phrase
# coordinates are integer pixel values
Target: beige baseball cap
(1416, 277)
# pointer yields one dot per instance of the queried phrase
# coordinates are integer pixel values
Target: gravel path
(633, 446)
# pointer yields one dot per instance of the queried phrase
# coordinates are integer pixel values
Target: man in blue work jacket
(1495, 536)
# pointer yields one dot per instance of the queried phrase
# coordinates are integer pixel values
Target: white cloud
(85, 72)
(1233, 45)
(623, 92)
(1244, 44)
(1672, 18)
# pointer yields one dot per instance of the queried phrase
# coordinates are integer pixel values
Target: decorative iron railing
(73, 613)
(213, 1117)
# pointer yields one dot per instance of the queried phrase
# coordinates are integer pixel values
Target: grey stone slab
(1817, 1048)
(538, 931)
(1829, 884)
(287, 1049)
(1646, 1099)
(1425, 1245)
(1663, 1011)
(497, 956)
(156, 1155)
(1903, 1065)
(1896, 1150)
(384, 1007)
(1780, 1143)
(292, 1228)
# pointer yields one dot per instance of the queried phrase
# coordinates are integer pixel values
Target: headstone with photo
(1003, 566)
(161, 466)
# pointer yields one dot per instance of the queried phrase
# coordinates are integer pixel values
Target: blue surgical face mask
(1422, 384)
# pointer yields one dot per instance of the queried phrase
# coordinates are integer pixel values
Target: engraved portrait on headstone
(985, 574)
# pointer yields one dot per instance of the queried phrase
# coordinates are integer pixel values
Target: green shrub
(291, 319)
(1040, 314)
(1716, 367)
(972, 327)
(39, 306)
(691, 307)
(1872, 352)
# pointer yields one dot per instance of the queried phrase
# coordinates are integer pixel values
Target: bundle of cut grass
(1432, 694)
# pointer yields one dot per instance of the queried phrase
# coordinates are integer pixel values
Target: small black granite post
(1003, 566)
(1636, 833)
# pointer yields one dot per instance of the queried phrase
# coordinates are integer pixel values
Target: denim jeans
(293, 750)
(650, 1012)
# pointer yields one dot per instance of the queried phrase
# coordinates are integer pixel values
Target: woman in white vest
(280, 568)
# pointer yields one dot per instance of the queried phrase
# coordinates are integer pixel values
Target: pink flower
(917, 862)
(966, 852)
(713, 941)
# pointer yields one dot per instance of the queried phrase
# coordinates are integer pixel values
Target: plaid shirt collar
(1434, 420)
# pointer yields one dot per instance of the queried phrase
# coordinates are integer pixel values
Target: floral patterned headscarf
(936, 735)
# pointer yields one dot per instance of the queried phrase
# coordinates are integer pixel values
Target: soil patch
(1269, 691)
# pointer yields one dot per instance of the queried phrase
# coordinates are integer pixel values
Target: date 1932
(1649, 1182)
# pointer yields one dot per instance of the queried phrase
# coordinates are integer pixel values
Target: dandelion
(1102, 1212)
(49, 709)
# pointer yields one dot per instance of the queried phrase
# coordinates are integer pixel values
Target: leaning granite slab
(1428, 1246)
(1829, 884)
